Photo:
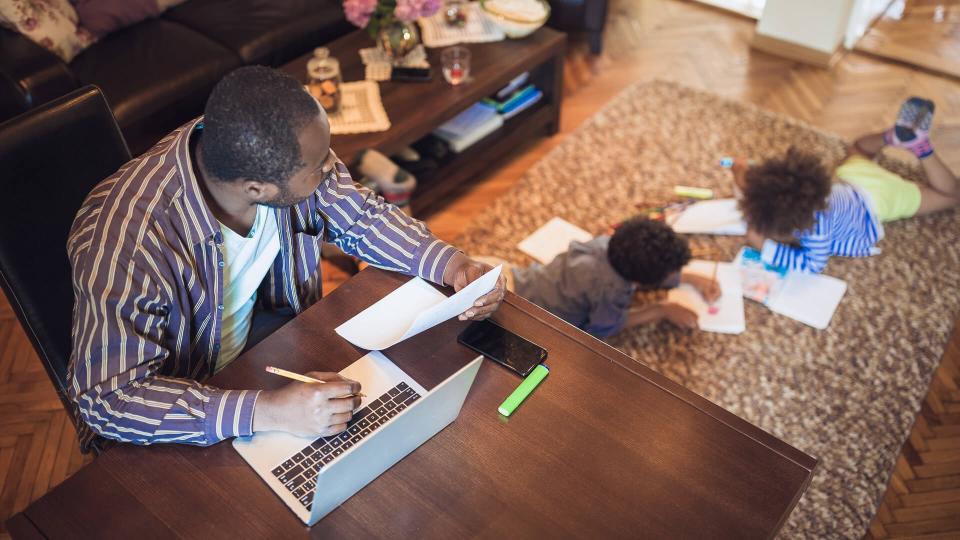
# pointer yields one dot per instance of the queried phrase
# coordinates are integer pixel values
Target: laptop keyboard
(298, 474)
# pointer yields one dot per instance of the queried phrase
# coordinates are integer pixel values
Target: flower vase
(397, 39)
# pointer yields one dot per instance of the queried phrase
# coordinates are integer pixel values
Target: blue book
(518, 96)
(513, 85)
(520, 106)
(468, 121)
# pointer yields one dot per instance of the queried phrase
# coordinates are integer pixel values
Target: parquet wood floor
(645, 39)
(924, 33)
(923, 498)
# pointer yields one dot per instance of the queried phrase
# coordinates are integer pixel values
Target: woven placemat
(378, 66)
(361, 110)
(479, 28)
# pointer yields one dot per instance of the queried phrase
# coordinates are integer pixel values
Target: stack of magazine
(468, 127)
(517, 102)
(483, 118)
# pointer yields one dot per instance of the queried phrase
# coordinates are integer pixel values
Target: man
(174, 253)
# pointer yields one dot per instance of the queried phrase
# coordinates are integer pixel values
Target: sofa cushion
(101, 17)
(149, 66)
(51, 24)
(29, 75)
(269, 32)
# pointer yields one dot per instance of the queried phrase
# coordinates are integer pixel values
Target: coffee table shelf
(416, 109)
(457, 170)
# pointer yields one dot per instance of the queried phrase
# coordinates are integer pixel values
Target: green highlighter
(514, 400)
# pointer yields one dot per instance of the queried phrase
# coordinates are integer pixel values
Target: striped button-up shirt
(148, 284)
(847, 227)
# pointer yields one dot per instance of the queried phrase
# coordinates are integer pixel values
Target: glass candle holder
(323, 74)
(455, 12)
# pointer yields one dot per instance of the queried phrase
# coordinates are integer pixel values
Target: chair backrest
(50, 159)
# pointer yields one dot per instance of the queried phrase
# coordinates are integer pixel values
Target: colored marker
(727, 162)
(514, 400)
(693, 192)
(714, 309)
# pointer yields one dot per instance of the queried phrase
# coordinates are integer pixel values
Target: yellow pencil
(299, 377)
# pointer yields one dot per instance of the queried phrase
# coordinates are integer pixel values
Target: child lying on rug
(798, 216)
(593, 285)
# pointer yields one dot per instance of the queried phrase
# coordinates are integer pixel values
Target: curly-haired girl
(799, 214)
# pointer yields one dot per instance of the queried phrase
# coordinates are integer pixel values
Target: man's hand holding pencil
(320, 407)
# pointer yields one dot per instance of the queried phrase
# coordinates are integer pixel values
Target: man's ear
(259, 192)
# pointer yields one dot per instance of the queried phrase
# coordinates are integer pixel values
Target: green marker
(693, 192)
(514, 400)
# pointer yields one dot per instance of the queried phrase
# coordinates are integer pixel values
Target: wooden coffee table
(415, 109)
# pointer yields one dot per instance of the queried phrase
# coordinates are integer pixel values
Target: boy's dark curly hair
(782, 194)
(646, 251)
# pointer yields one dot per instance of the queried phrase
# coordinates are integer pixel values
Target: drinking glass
(456, 64)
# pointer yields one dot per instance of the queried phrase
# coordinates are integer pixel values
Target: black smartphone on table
(503, 346)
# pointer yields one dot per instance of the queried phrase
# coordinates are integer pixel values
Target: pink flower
(429, 7)
(411, 10)
(359, 11)
(407, 10)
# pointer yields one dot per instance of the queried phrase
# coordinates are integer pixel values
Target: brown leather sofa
(158, 73)
(587, 16)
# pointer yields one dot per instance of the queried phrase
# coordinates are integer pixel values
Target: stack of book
(468, 127)
(485, 117)
(517, 102)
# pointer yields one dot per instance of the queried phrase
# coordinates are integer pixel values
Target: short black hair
(646, 251)
(782, 195)
(251, 123)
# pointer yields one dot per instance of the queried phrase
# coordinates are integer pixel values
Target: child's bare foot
(869, 145)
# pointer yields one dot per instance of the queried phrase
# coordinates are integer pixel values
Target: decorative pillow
(101, 17)
(51, 24)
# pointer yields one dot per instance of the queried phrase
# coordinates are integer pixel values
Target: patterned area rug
(847, 395)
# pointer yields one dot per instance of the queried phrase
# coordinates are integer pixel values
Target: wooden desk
(603, 448)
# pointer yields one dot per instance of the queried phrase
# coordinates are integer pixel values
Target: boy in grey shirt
(593, 285)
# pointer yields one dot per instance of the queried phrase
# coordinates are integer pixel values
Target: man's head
(647, 252)
(266, 137)
(781, 195)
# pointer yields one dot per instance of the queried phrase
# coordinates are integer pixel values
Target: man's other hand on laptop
(308, 409)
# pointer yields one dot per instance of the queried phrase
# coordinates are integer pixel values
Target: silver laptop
(314, 476)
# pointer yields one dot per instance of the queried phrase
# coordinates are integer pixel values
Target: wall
(862, 15)
(814, 24)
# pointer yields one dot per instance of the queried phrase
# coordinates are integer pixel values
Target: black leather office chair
(50, 159)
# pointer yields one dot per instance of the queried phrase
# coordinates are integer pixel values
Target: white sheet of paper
(729, 318)
(410, 309)
(809, 298)
(552, 239)
(717, 216)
